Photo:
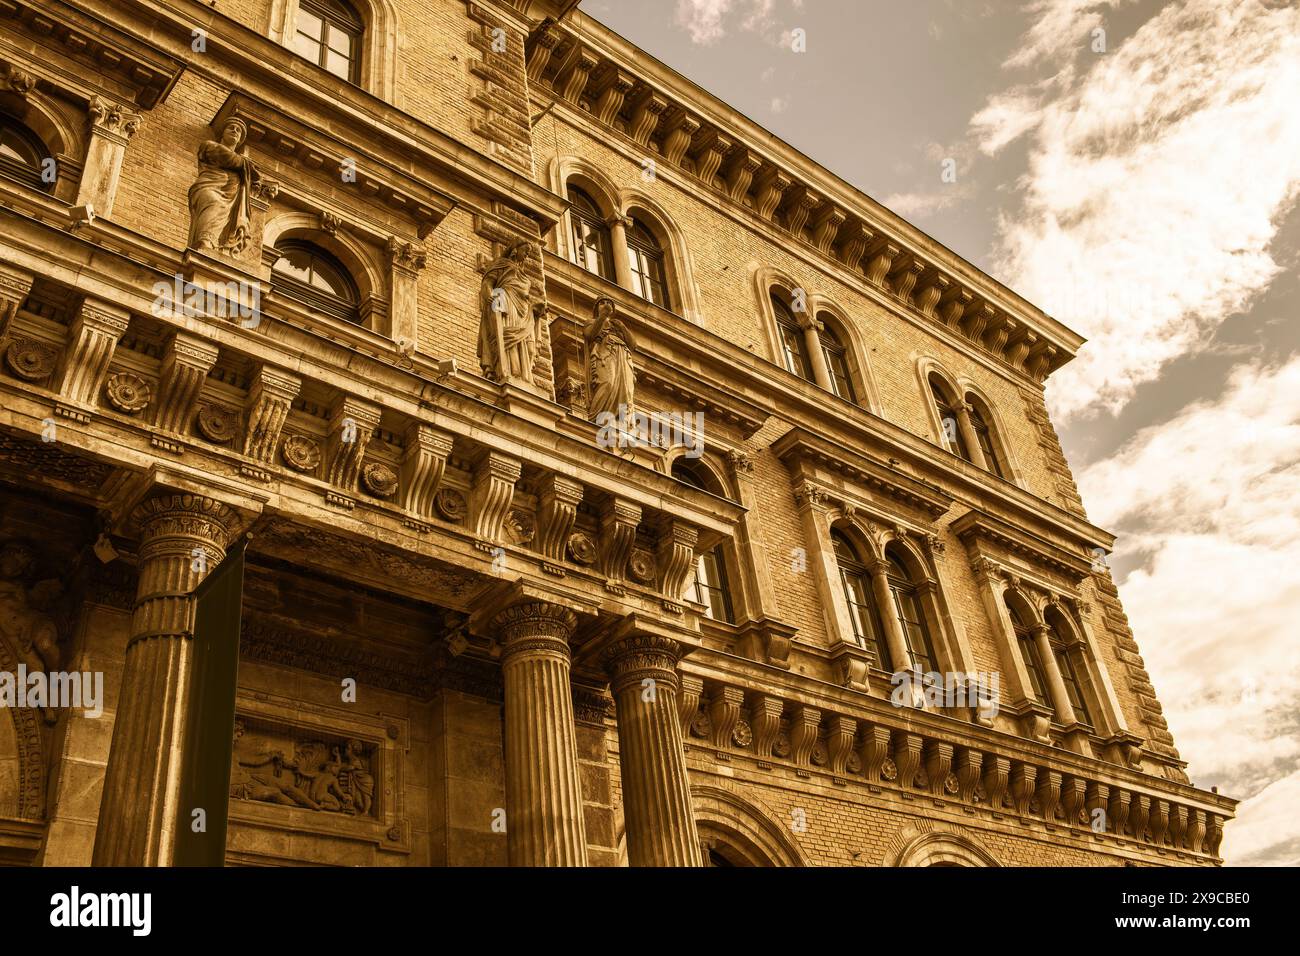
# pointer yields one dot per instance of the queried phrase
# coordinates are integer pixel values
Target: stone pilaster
(656, 791)
(182, 537)
(544, 817)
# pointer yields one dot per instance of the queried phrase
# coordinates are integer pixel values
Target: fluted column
(656, 790)
(544, 822)
(182, 537)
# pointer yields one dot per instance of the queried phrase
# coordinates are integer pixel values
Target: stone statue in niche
(330, 776)
(25, 622)
(510, 324)
(611, 379)
(221, 197)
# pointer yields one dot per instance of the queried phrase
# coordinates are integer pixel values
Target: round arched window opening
(22, 155)
(315, 278)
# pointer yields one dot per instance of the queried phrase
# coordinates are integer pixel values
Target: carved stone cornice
(800, 449)
(977, 528)
(311, 151)
(81, 44)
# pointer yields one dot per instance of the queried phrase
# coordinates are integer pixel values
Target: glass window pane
(339, 65)
(310, 24)
(340, 41)
(306, 47)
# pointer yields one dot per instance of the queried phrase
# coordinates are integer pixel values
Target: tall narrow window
(22, 155)
(316, 279)
(1029, 653)
(709, 584)
(948, 419)
(1065, 653)
(591, 242)
(984, 436)
(646, 259)
(910, 618)
(837, 362)
(794, 345)
(856, 582)
(329, 34)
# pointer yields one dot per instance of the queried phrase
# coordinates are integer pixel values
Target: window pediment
(987, 536)
(806, 454)
(286, 142)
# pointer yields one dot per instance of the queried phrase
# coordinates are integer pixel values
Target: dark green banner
(210, 718)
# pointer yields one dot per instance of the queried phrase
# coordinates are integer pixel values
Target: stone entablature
(584, 67)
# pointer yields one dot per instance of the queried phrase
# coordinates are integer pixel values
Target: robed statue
(611, 379)
(510, 324)
(220, 199)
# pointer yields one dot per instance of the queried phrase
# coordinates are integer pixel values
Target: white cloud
(1267, 829)
(919, 204)
(1211, 498)
(1156, 180)
(707, 21)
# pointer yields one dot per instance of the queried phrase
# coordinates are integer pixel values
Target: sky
(1133, 168)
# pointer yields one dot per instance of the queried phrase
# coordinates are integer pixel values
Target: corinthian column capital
(535, 626)
(636, 657)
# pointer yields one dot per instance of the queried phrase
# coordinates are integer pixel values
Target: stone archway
(941, 848)
(737, 832)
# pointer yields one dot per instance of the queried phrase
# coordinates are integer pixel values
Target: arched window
(316, 279)
(837, 363)
(646, 258)
(984, 436)
(709, 584)
(908, 608)
(794, 345)
(591, 242)
(1067, 654)
(858, 595)
(1029, 653)
(328, 33)
(22, 154)
(949, 419)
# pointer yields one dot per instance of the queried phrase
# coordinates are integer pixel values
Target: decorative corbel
(424, 460)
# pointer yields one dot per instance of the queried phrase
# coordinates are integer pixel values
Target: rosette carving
(30, 360)
(450, 504)
(301, 453)
(582, 549)
(127, 392)
(742, 736)
(379, 479)
(641, 566)
(218, 424)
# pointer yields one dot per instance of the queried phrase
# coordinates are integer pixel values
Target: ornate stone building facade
(600, 461)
